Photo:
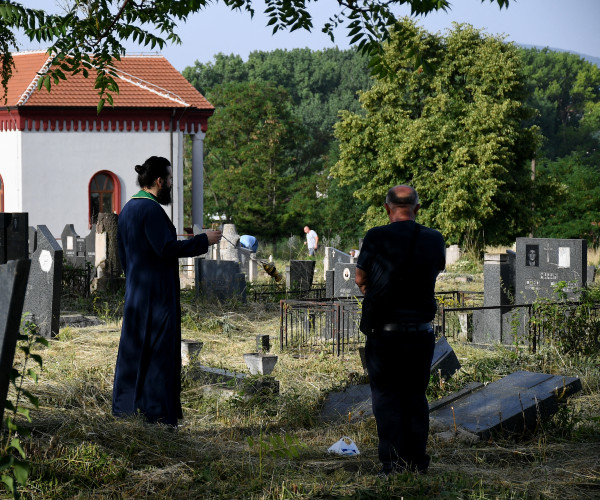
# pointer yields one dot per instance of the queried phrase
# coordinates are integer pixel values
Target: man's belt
(406, 327)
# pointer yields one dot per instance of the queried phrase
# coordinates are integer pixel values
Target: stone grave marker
(90, 247)
(69, 237)
(453, 255)
(343, 281)
(511, 404)
(299, 274)
(220, 279)
(444, 359)
(42, 301)
(108, 265)
(591, 274)
(543, 262)
(229, 243)
(32, 240)
(14, 236)
(13, 285)
(492, 326)
(354, 402)
(332, 257)
(329, 283)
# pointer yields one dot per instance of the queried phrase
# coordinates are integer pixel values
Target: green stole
(144, 194)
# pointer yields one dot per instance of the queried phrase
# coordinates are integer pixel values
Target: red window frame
(116, 193)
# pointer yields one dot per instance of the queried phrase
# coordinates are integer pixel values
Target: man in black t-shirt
(396, 271)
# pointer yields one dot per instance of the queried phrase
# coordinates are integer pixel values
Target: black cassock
(148, 370)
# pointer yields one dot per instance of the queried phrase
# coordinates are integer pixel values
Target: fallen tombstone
(13, 284)
(513, 404)
(445, 363)
(226, 383)
(354, 402)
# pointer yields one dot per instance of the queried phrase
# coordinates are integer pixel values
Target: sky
(571, 25)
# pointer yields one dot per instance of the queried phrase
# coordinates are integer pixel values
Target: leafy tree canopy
(89, 34)
(455, 134)
(251, 158)
(565, 89)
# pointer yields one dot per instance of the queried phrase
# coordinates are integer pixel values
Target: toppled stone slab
(352, 404)
(79, 321)
(225, 381)
(513, 404)
(444, 359)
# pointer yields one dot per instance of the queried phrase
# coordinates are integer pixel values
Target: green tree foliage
(89, 34)
(319, 83)
(565, 89)
(251, 157)
(574, 211)
(454, 133)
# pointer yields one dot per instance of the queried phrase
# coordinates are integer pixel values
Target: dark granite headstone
(32, 240)
(329, 283)
(512, 404)
(333, 256)
(68, 238)
(444, 359)
(220, 279)
(14, 236)
(42, 301)
(591, 274)
(90, 246)
(544, 262)
(13, 284)
(299, 274)
(344, 285)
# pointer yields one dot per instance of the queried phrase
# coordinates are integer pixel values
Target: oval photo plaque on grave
(45, 261)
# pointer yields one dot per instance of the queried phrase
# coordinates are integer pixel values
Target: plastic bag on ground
(344, 446)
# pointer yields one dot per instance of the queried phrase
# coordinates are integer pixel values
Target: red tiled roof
(144, 82)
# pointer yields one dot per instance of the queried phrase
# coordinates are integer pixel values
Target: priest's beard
(164, 195)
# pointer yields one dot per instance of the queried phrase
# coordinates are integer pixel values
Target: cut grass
(78, 450)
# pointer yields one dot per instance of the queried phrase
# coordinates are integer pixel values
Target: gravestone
(90, 247)
(332, 257)
(299, 274)
(544, 262)
(591, 274)
(14, 236)
(343, 281)
(220, 279)
(492, 326)
(354, 402)
(32, 240)
(229, 243)
(444, 359)
(453, 255)
(42, 301)
(108, 265)
(13, 284)
(512, 404)
(329, 283)
(69, 239)
(245, 257)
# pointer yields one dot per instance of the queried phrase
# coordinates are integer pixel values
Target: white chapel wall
(57, 168)
(10, 170)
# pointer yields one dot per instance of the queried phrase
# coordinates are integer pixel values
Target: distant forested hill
(592, 59)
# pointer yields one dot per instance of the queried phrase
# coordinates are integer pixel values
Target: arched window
(1, 194)
(104, 195)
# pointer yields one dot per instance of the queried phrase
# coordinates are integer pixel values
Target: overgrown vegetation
(271, 446)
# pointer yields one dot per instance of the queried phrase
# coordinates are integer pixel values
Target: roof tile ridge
(151, 87)
(34, 83)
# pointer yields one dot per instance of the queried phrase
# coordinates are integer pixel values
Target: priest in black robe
(148, 371)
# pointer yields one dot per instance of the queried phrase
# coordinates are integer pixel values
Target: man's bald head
(402, 195)
(402, 203)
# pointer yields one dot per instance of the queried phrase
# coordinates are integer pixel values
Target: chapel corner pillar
(198, 178)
